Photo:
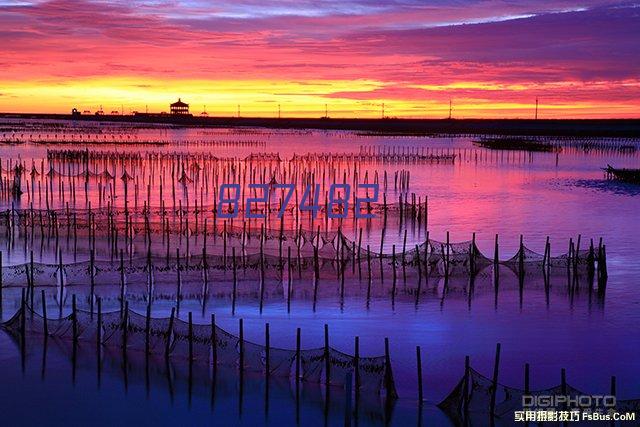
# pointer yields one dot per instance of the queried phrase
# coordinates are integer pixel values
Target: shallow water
(486, 192)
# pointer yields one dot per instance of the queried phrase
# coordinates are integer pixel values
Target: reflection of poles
(74, 325)
(45, 328)
(419, 368)
(494, 387)
(465, 388)
(297, 376)
(390, 389)
(190, 361)
(214, 349)
(526, 379)
(31, 279)
(327, 358)
(347, 407)
(241, 368)
(521, 273)
(0, 284)
(169, 332)
(99, 340)
(44, 352)
(91, 279)
(267, 368)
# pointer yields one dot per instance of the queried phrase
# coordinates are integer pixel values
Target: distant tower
(450, 108)
(204, 111)
(383, 110)
(238, 110)
(279, 111)
(536, 108)
(326, 111)
(179, 107)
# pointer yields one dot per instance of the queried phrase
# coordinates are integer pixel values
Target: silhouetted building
(179, 107)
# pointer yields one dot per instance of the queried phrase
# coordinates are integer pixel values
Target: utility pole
(536, 108)
(450, 108)
(279, 111)
(326, 111)
(238, 110)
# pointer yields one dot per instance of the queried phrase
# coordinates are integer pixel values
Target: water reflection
(607, 185)
(131, 386)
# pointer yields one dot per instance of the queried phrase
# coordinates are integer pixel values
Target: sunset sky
(492, 58)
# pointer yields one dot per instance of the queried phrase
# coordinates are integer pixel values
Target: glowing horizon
(492, 59)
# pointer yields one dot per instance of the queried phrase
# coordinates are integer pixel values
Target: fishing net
(267, 253)
(226, 351)
(197, 337)
(371, 373)
(112, 327)
(254, 356)
(136, 330)
(281, 361)
(630, 405)
(312, 364)
(507, 399)
(339, 365)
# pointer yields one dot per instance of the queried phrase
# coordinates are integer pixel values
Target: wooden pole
(527, 387)
(388, 380)
(74, 319)
(23, 322)
(235, 281)
(167, 349)
(147, 328)
(99, 328)
(613, 385)
(466, 396)
(125, 327)
(190, 337)
(60, 271)
(91, 279)
(122, 283)
(179, 277)
(45, 328)
(214, 340)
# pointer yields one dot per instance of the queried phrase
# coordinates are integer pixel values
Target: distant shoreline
(613, 128)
